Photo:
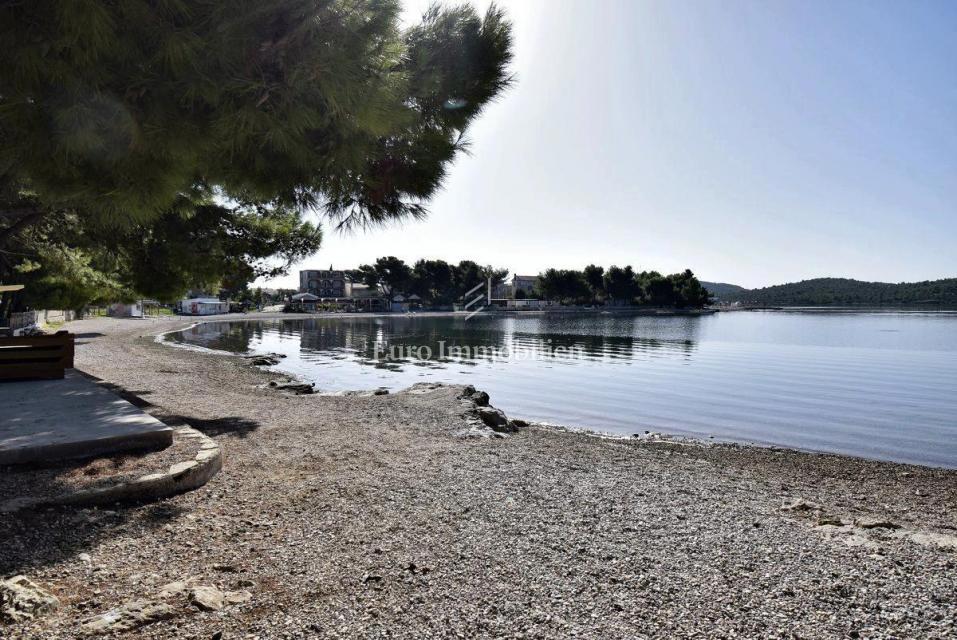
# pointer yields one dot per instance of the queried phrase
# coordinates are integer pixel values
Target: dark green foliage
(66, 263)
(391, 274)
(282, 295)
(843, 291)
(563, 285)
(433, 281)
(497, 275)
(467, 275)
(119, 119)
(687, 291)
(436, 282)
(214, 246)
(658, 290)
(621, 285)
(114, 109)
(595, 277)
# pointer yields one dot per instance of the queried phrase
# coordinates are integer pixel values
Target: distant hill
(723, 290)
(841, 291)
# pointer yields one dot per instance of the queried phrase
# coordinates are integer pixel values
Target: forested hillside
(723, 291)
(825, 291)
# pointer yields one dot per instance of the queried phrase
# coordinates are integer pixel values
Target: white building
(203, 306)
(124, 310)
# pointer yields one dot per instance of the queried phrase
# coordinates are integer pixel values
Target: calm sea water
(879, 385)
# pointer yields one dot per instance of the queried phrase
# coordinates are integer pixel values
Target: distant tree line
(439, 283)
(843, 291)
(435, 282)
(622, 286)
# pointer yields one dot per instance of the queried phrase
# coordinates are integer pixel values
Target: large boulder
(495, 419)
(266, 360)
(480, 398)
(299, 388)
(21, 599)
(876, 523)
(127, 617)
(207, 598)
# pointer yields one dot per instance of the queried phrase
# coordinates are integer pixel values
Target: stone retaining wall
(182, 476)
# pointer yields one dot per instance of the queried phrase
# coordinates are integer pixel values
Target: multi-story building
(325, 283)
(525, 284)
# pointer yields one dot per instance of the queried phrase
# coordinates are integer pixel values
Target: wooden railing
(36, 356)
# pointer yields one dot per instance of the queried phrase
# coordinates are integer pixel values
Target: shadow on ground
(231, 425)
(32, 539)
(83, 338)
(36, 539)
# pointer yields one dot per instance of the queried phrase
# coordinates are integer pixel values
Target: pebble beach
(402, 516)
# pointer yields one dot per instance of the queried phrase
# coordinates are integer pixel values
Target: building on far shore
(362, 297)
(403, 303)
(305, 301)
(325, 283)
(525, 284)
(330, 289)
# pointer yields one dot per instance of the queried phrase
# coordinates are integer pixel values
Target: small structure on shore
(352, 296)
(404, 304)
(203, 306)
(305, 301)
(126, 310)
(521, 303)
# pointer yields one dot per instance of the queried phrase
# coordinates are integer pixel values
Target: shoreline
(300, 315)
(701, 439)
(355, 516)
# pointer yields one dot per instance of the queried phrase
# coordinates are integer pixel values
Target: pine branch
(29, 219)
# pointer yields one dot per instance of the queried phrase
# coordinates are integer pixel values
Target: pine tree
(121, 113)
(116, 108)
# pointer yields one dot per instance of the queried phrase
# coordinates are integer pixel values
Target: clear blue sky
(756, 142)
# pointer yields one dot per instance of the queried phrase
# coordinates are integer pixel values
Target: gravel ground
(351, 517)
(68, 476)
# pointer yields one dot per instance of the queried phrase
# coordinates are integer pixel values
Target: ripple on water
(874, 385)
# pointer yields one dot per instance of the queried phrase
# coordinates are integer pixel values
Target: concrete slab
(46, 420)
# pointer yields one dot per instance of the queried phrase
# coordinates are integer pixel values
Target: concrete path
(45, 420)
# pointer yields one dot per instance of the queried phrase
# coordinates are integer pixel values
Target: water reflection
(395, 342)
(876, 385)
